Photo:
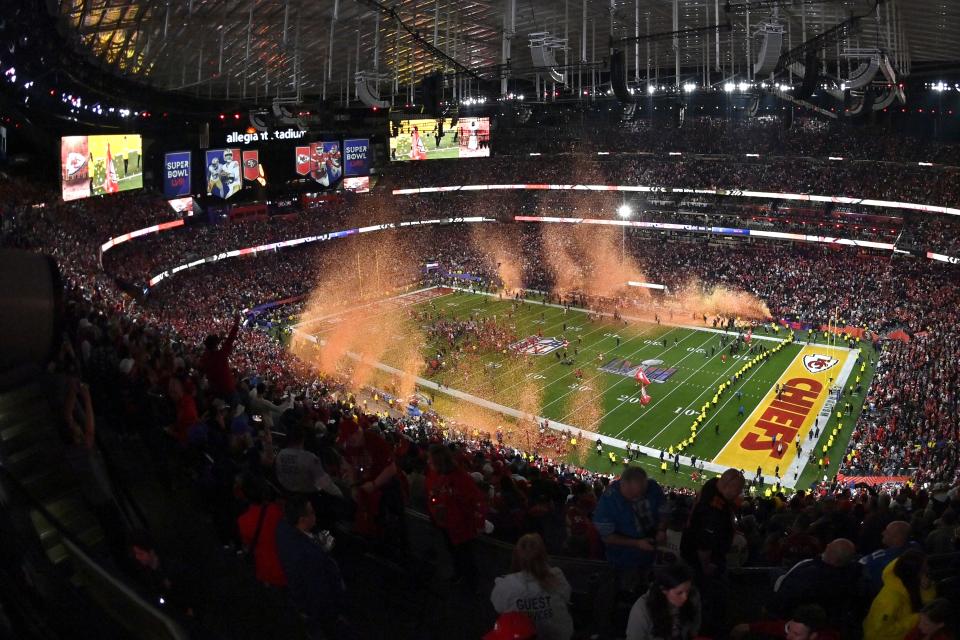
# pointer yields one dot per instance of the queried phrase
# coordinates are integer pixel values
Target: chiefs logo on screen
(75, 162)
(817, 363)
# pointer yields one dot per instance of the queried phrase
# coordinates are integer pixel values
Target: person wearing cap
(512, 625)
(536, 589)
(808, 622)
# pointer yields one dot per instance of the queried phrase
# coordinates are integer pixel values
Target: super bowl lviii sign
(176, 174)
(356, 157)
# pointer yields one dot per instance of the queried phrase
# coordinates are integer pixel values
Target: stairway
(32, 451)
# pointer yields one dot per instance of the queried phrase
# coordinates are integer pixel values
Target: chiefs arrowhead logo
(817, 363)
(75, 163)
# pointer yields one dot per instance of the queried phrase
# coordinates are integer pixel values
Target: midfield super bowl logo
(817, 363)
(537, 346)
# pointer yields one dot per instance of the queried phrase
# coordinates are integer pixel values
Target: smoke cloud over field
(352, 311)
(354, 329)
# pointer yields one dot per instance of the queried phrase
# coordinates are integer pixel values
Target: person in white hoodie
(536, 589)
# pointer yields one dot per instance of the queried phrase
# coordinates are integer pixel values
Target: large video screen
(321, 161)
(440, 138)
(97, 165)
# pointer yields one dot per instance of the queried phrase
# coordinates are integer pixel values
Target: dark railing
(106, 591)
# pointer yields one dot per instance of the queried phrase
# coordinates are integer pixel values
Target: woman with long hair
(670, 610)
(536, 589)
(906, 589)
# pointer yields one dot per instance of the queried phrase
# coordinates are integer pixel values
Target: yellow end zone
(806, 385)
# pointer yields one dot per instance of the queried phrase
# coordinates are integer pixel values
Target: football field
(579, 372)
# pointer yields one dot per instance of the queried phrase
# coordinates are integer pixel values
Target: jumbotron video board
(98, 165)
(440, 138)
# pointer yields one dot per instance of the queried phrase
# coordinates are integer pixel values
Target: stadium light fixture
(624, 211)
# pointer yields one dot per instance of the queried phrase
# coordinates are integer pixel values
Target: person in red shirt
(215, 362)
(458, 508)
(262, 514)
(372, 471)
(182, 391)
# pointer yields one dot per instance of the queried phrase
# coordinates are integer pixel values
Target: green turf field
(606, 402)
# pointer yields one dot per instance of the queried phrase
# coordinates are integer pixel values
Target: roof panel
(288, 34)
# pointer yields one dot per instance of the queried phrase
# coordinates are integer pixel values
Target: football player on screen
(230, 173)
(214, 185)
(417, 149)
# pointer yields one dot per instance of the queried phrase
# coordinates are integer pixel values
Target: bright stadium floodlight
(729, 87)
(624, 211)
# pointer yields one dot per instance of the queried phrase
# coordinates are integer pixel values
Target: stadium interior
(493, 319)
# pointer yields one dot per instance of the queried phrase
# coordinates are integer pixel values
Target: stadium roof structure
(255, 49)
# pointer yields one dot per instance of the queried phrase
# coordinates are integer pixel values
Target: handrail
(173, 630)
(113, 472)
(79, 551)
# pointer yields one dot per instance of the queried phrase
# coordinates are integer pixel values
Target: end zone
(767, 438)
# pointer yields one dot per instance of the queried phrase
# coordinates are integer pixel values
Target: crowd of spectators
(208, 395)
(809, 138)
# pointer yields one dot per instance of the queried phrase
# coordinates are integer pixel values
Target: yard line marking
(587, 349)
(602, 373)
(647, 410)
(623, 379)
(706, 391)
